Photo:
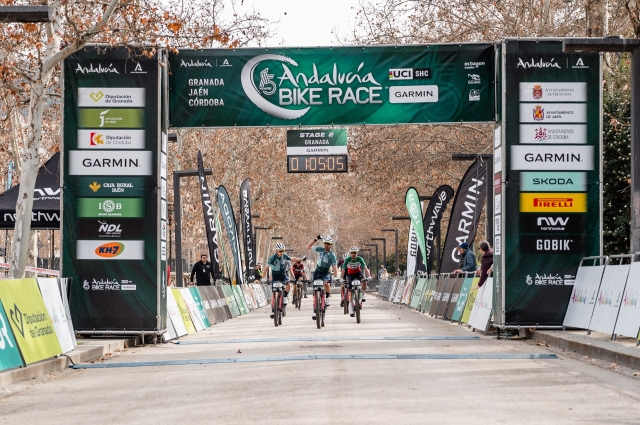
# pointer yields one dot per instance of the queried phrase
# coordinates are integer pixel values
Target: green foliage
(616, 141)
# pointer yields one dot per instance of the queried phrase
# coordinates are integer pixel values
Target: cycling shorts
(320, 275)
(352, 277)
(284, 278)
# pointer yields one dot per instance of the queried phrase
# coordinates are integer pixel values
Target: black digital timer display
(317, 164)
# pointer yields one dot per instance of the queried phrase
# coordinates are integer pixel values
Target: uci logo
(401, 74)
(109, 250)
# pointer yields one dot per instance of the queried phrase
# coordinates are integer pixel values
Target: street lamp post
(377, 258)
(255, 237)
(384, 250)
(387, 229)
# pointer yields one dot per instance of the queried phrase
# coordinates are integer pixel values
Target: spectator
(383, 275)
(486, 263)
(467, 259)
(202, 269)
(258, 271)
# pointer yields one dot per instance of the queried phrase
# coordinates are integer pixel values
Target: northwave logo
(305, 89)
(537, 64)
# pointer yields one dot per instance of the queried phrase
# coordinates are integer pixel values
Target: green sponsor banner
(231, 300)
(107, 207)
(412, 201)
(29, 320)
(116, 294)
(471, 300)
(201, 309)
(110, 118)
(101, 186)
(9, 354)
(416, 297)
(553, 181)
(332, 86)
(546, 91)
(242, 305)
(462, 299)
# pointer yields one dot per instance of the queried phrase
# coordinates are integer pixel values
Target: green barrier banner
(231, 300)
(29, 319)
(548, 169)
(416, 297)
(201, 308)
(471, 300)
(462, 299)
(9, 354)
(332, 86)
(237, 293)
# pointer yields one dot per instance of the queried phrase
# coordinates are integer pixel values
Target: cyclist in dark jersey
(353, 268)
(298, 274)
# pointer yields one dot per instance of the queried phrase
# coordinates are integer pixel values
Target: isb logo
(409, 73)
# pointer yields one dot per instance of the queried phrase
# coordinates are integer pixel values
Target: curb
(89, 349)
(592, 347)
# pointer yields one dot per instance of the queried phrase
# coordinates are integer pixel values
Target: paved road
(270, 389)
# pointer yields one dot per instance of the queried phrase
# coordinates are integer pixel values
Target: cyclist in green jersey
(326, 262)
(277, 264)
(353, 268)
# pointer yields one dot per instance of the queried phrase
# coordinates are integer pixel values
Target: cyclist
(326, 261)
(352, 269)
(277, 264)
(341, 261)
(298, 273)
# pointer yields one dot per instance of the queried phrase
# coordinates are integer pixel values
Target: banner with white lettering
(547, 184)
(114, 221)
(209, 219)
(465, 214)
(247, 230)
(433, 215)
(229, 220)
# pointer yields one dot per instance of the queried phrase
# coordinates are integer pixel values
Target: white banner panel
(111, 139)
(553, 92)
(115, 97)
(317, 150)
(628, 322)
(194, 312)
(53, 301)
(63, 284)
(174, 313)
(609, 297)
(413, 94)
(171, 330)
(399, 291)
(544, 157)
(553, 112)
(117, 249)
(110, 163)
(583, 297)
(481, 312)
(553, 133)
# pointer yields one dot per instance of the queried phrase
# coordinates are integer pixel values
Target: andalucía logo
(270, 75)
(605, 298)
(538, 64)
(110, 250)
(579, 296)
(99, 69)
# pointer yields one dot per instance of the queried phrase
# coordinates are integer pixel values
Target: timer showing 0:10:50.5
(317, 164)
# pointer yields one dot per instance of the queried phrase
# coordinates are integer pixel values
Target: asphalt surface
(397, 366)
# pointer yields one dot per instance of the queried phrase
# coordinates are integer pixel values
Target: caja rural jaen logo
(275, 83)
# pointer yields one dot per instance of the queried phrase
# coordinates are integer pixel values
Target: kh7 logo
(110, 250)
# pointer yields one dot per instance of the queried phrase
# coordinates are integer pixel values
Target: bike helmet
(279, 246)
(353, 249)
(328, 240)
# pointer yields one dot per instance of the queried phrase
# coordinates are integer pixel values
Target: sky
(306, 22)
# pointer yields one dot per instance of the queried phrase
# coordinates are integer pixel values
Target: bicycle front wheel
(345, 300)
(356, 306)
(276, 303)
(318, 298)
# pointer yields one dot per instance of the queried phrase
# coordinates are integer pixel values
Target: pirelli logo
(553, 202)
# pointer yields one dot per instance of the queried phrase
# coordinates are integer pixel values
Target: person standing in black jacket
(202, 269)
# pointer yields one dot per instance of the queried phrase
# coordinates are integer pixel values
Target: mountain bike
(344, 296)
(277, 303)
(354, 294)
(297, 293)
(318, 302)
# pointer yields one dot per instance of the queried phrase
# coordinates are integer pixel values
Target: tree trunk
(596, 11)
